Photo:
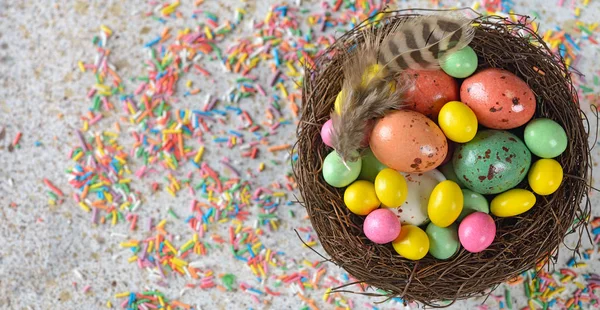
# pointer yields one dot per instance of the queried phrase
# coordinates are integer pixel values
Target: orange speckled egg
(500, 99)
(430, 91)
(408, 141)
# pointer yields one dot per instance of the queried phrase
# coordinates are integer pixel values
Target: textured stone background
(41, 245)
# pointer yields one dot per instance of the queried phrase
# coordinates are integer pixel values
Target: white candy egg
(420, 185)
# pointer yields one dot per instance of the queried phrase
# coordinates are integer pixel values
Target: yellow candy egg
(545, 176)
(338, 103)
(512, 202)
(391, 188)
(445, 203)
(412, 243)
(458, 122)
(360, 197)
(371, 72)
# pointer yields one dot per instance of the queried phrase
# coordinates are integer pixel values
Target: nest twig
(521, 242)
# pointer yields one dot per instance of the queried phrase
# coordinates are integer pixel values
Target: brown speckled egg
(408, 141)
(500, 99)
(430, 91)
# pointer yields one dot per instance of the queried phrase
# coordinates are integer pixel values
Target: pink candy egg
(476, 232)
(381, 226)
(326, 132)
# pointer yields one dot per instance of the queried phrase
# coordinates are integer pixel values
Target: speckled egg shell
(430, 91)
(420, 185)
(408, 141)
(493, 162)
(500, 99)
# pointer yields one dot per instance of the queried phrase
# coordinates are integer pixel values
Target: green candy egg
(473, 202)
(370, 166)
(443, 242)
(461, 63)
(448, 171)
(545, 138)
(493, 162)
(336, 173)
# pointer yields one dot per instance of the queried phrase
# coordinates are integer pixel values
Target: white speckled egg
(420, 185)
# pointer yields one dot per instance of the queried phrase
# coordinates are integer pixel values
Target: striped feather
(420, 42)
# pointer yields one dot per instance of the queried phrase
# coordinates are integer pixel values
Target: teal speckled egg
(336, 173)
(493, 162)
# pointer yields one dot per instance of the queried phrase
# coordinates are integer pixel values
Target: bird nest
(521, 242)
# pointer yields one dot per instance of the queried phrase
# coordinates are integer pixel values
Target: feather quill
(418, 43)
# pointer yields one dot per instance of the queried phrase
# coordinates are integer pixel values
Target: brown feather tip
(360, 106)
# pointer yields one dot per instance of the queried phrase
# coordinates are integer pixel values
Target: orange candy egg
(408, 141)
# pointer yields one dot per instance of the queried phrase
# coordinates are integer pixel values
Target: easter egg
(493, 162)
(408, 141)
(545, 176)
(430, 90)
(445, 203)
(420, 185)
(391, 188)
(326, 132)
(500, 99)
(448, 171)
(360, 197)
(337, 105)
(461, 63)
(513, 202)
(443, 241)
(473, 202)
(412, 242)
(476, 232)
(545, 138)
(336, 173)
(370, 166)
(458, 122)
(381, 226)
(373, 71)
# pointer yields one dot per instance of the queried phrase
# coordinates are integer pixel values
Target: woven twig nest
(521, 242)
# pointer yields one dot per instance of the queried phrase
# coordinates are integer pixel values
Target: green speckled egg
(493, 162)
